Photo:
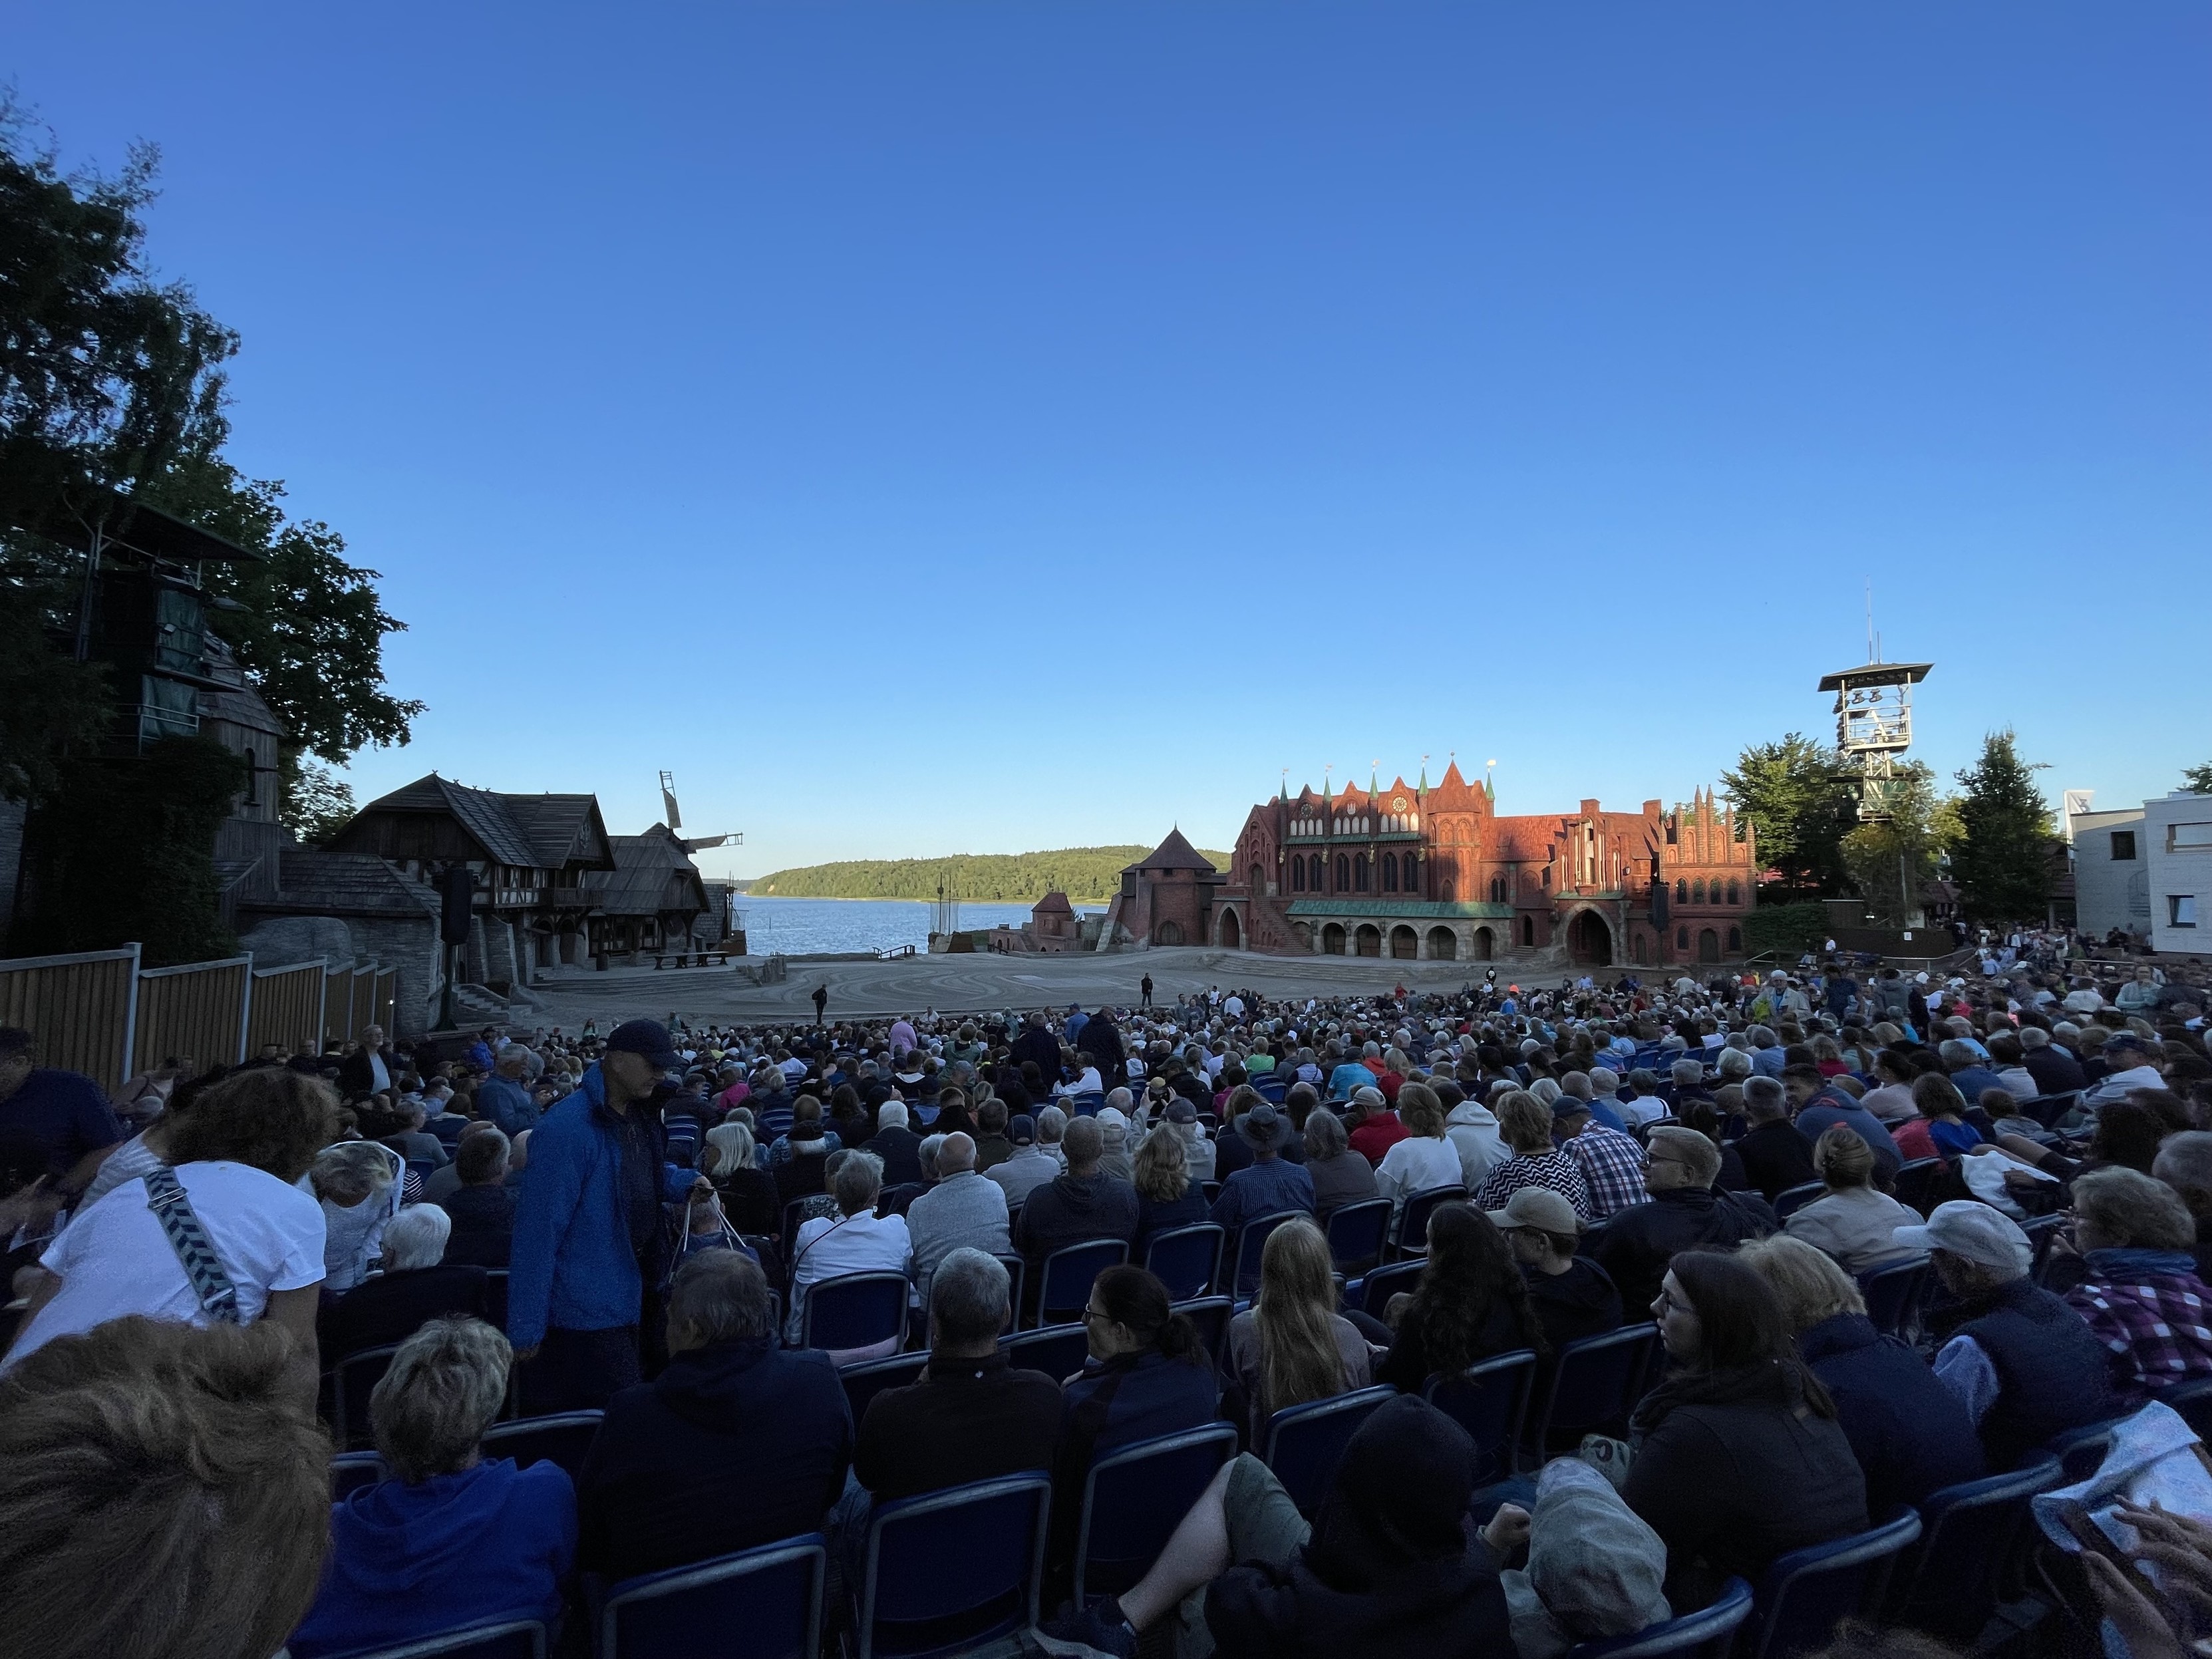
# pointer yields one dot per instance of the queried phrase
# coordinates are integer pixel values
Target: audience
(1470, 1303)
(1425, 1159)
(1526, 1124)
(1166, 1198)
(1612, 1162)
(1291, 1346)
(1685, 1212)
(857, 1241)
(2141, 1297)
(1030, 1166)
(1851, 1221)
(1339, 1175)
(1573, 1295)
(751, 1199)
(1776, 1158)
(1269, 1184)
(1077, 1207)
(450, 1539)
(413, 1288)
(480, 1205)
(1149, 1374)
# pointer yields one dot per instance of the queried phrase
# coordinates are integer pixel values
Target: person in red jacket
(1375, 1128)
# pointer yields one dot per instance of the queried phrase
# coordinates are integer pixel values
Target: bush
(1788, 930)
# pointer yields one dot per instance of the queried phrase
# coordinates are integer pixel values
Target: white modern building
(2178, 839)
(2111, 868)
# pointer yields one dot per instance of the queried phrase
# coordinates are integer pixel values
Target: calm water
(805, 927)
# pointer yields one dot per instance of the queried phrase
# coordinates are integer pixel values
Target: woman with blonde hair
(1853, 1222)
(748, 1192)
(1166, 1198)
(1524, 1123)
(1291, 1346)
(1910, 1434)
(1425, 1158)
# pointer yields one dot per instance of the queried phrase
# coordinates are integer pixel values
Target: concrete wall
(2110, 892)
(410, 946)
(2178, 837)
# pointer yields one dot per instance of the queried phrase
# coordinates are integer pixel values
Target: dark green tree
(1802, 798)
(2002, 858)
(2197, 779)
(317, 803)
(1888, 861)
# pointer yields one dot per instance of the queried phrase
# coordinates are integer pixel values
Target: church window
(1389, 873)
(1343, 874)
(1359, 873)
(1736, 896)
(1411, 869)
(1298, 873)
(1682, 892)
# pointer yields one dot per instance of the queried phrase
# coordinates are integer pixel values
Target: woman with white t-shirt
(857, 1241)
(1426, 1158)
(236, 1155)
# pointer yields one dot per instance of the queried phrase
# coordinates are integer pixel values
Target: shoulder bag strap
(166, 1198)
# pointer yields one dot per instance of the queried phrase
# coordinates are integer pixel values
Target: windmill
(675, 817)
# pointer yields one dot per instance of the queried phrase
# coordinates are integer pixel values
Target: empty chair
(2050, 1110)
(1088, 1103)
(1134, 1497)
(1892, 1294)
(562, 1437)
(1211, 1315)
(1373, 1294)
(1804, 1594)
(1791, 1199)
(1272, 1088)
(854, 1310)
(2079, 1451)
(1359, 1234)
(352, 1381)
(917, 1597)
(1017, 1272)
(1186, 1259)
(1413, 1222)
(1920, 1183)
(1490, 1400)
(1064, 1287)
(1058, 1351)
(1595, 1386)
(1950, 1583)
(869, 1378)
(351, 1471)
(515, 1638)
(1708, 1633)
(772, 1596)
(1303, 1444)
(1251, 1241)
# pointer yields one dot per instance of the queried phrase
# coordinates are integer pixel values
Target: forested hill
(1092, 873)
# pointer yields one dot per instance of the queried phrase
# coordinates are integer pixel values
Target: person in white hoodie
(1471, 1129)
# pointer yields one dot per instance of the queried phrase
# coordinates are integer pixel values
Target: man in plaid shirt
(1612, 1162)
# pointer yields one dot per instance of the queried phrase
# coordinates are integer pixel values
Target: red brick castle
(1435, 874)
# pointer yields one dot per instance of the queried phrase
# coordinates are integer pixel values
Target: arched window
(1298, 873)
(1735, 939)
(1412, 872)
(1343, 874)
(1389, 873)
(1681, 938)
(1527, 930)
(1697, 892)
(1682, 892)
(1359, 873)
(1736, 896)
(1497, 889)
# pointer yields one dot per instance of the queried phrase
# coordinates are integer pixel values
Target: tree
(2003, 859)
(2197, 779)
(1802, 798)
(1888, 860)
(316, 802)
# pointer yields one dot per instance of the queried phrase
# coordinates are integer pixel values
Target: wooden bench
(686, 959)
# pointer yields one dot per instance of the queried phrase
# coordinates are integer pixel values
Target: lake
(811, 927)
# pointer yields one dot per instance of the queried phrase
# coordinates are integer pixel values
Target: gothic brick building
(1434, 873)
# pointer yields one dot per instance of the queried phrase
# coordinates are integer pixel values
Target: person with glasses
(1685, 1212)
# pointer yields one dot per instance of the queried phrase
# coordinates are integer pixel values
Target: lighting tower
(1874, 726)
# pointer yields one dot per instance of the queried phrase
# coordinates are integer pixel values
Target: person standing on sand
(821, 1001)
(1145, 987)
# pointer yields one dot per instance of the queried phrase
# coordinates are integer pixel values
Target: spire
(1423, 785)
(1374, 775)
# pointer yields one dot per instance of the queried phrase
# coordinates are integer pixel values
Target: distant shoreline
(888, 898)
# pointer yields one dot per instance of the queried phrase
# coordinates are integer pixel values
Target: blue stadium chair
(1065, 1289)
(1951, 1582)
(495, 1297)
(422, 1168)
(2081, 1451)
(1133, 1498)
(1595, 1386)
(1373, 1294)
(1017, 1272)
(1211, 1315)
(1088, 1103)
(1412, 1238)
(1186, 1259)
(2050, 1109)
(854, 1310)
(1804, 1594)
(560, 1437)
(1058, 1351)
(1708, 1633)
(1240, 1277)
(1271, 1088)
(352, 1380)
(865, 1381)
(2042, 1232)
(351, 1471)
(1919, 1184)
(1892, 1293)
(1303, 1444)
(772, 1596)
(1490, 1402)
(2194, 1401)
(1358, 1236)
(917, 1599)
(1212, 1190)
(514, 1638)
(1791, 1199)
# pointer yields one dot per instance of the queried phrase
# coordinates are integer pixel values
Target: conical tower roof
(1173, 854)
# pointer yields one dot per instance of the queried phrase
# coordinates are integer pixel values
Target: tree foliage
(1081, 873)
(2197, 779)
(316, 802)
(2003, 859)
(1888, 861)
(1802, 798)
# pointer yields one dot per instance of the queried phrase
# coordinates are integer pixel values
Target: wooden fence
(100, 1013)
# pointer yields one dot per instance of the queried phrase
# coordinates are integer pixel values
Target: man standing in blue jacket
(588, 1239)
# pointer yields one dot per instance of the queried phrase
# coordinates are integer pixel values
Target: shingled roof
(565, 830)
(653, 873)
(482, 814)
(312, 882)
(1173, 854)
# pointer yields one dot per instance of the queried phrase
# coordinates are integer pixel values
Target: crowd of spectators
(638, 1223)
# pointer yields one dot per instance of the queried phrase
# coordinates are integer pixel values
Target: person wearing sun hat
(2025, 1366)
(1270, 1183)
(589, 1256)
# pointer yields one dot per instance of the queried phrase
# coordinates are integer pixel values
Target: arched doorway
(1443, 945)
(1405, 944)
(1529, 930)
(1167, 933)
(1708, 945)
(1232, 936)
(1640, 950)
(1332, 939)
(1368, 941)
(1485, 944)
(1589, 940)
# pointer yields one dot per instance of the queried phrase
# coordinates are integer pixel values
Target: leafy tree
(2197, 779)
(1802, 798)
(47, 702)
(1081, 873)
(317, 803)
(1888, 860)
(2003, 859)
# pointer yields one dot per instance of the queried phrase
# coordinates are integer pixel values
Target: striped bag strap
(166, 1198)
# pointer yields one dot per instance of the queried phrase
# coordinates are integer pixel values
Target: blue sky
(932, 428)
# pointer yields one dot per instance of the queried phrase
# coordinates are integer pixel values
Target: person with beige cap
(1573, 1297)
(2026, 1365)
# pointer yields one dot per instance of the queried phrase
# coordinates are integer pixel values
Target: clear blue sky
(932, 428)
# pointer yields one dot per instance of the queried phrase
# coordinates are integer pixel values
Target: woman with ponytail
(1291, 1346)
(1739, 1457)
(1471, 1303)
